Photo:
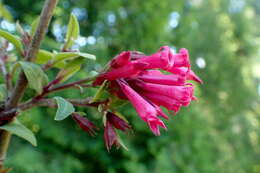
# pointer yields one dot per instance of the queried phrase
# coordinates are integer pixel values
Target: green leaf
(70, 69)
(43, 56)
(5, 13)
(3, 92)
(72, 32)
(17, 128)
(35, 75)
(34, 26)
(62, 56)
(121, 142)
(12, 39)
(116, 102)
(65, 108)
(19, 28)
(99, 92)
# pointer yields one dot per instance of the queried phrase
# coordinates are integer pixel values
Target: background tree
(219, 133)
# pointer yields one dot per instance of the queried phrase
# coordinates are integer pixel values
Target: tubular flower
(139, 79)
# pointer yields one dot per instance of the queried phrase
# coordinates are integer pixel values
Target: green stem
(4, 143)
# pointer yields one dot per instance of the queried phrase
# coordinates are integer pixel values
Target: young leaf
(12, 39)
(72, 32)
(65, 108)
(72, 55)
(17, 128)
(99, 92)
(35, 75)
(34, 26)
(70, 69)
(43, 56)
(19, 28)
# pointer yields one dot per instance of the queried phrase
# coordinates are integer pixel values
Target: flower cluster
(149, 82)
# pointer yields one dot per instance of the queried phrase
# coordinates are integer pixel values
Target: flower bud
(85, 124)
(117, 122)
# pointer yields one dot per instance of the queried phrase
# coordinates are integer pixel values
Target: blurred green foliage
(218, 133)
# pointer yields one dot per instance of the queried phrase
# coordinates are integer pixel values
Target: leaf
(17, 128)
(43, 56)
(12, 39)
(3, 92)
(70, 69)
(121, 142)
(72, 32)
(5, 13)
(19, 28)
(65, 108)
(116, 102)
(71, 55)
(99, 92)
(34, 26)
(36, 77)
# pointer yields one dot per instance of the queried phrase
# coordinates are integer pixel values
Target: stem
(47, 89)
(22, 82)
(52, 103)
(4, 143)
(72, 84)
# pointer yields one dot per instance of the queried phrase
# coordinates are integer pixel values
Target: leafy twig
(45, 18)
(21, 84)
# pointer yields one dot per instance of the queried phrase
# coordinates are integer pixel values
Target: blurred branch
(4, 71)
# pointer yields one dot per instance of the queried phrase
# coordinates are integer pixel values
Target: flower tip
(194, 98)
(193, 76)
(163, 48)
(121, 59)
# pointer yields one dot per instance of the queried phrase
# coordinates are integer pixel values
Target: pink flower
(171, 79)
(180, 93)
(188, 73)
(85, 124)
(182, 58)
(128, 70)
(140, 79)
(145, 110)
(160, 100)
(121, 60)
(161, 59)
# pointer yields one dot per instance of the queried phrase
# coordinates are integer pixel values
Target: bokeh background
(218, 133)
